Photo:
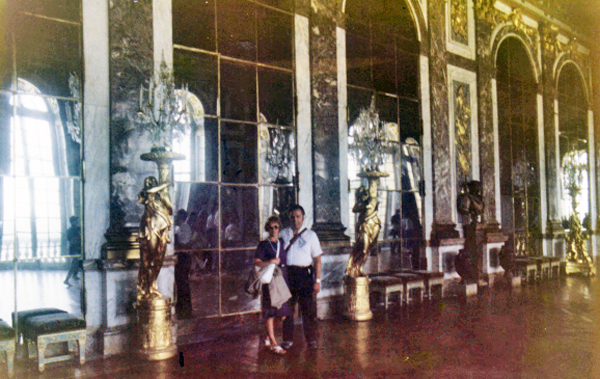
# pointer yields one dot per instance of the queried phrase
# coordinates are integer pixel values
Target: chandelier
(368, 139)
(163, 109)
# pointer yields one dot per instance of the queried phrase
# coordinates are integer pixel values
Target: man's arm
(318, 266)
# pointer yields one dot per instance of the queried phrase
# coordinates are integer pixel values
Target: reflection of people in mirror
(154, 235)
(74, 240)
(395, 232)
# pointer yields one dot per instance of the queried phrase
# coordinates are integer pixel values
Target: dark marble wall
(485, 74)
(131, 62)
(324, 17)
(438, 75)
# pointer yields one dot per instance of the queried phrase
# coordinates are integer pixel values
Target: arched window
(518, 138)
(36, 203)
(382, 63)
(573, 129)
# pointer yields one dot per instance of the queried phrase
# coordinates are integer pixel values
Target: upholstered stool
(433, 280)
(527, 269)
(385, 285)
(411, 282)
(7, 345)
(19, 318)
(554, 266)
(54, 328)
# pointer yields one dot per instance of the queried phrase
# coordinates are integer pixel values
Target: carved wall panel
(460, 28)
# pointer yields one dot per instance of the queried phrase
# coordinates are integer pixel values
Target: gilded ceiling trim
(512, 25)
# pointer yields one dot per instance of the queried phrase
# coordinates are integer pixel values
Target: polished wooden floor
(547, 330)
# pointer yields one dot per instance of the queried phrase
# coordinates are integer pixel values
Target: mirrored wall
(237, 58)
(40, 157)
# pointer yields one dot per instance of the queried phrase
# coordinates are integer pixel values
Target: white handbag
(268, 274)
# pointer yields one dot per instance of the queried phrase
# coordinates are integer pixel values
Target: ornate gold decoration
(484, 10)
(462, 130)
(155, 328)
(459, 21)
(356, 296)
(549, 39)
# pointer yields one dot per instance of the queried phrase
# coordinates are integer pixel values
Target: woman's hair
(272, 219)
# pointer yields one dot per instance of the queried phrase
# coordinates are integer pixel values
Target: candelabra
(368, 146)
(163, 108)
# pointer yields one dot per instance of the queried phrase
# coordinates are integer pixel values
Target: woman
(266, 253)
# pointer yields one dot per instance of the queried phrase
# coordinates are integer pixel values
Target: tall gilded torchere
(368, 144)
(154, 309)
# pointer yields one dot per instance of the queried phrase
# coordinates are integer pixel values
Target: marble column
(444, 226)
(554, 227)
(485, 74)
(324, 17)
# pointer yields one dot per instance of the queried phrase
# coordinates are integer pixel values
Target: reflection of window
(34, 217)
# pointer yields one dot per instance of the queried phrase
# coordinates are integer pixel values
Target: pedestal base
(356, 299)
(462, 289)
(155, 329)
(580, 268)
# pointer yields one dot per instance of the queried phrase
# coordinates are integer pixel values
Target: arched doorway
(518, 140)
(382, 53)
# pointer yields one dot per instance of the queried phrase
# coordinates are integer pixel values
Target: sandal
(278, 350)
(267, 342)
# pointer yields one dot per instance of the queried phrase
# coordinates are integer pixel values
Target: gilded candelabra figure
(154, 235)
(367, 228)
(578, 260)
(368, 145)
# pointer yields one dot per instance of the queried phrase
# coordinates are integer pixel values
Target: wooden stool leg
(10, 358)
(81, 342)
(30, 349)
(41, 349)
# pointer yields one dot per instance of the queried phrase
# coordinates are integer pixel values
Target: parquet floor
(547, 330)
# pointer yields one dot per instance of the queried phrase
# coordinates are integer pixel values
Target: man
(304, 276)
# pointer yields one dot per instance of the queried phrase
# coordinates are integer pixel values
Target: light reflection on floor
(38, 289)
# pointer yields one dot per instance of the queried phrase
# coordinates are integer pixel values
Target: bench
(385, 285)
(54, 328)
(19, 318)
(7, 345)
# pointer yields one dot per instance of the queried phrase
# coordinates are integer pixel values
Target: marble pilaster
(554, 229)
(444, 226)
(485, 74)
(325, 125)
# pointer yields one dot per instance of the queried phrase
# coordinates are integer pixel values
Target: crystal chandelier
(368, 139)
(163, 108)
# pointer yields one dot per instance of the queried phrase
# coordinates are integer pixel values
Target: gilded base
(356, 299)
(155, 329)
(574, 267)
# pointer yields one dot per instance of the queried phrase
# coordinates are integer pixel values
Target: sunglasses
(273, 227)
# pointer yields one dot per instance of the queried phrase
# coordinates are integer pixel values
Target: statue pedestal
(356, 298)
(155, 329)
(580, 267)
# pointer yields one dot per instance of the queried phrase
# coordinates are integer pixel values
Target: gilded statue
(154, 235)
(367, 228)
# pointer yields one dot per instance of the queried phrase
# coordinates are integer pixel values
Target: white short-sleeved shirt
(304, 248)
